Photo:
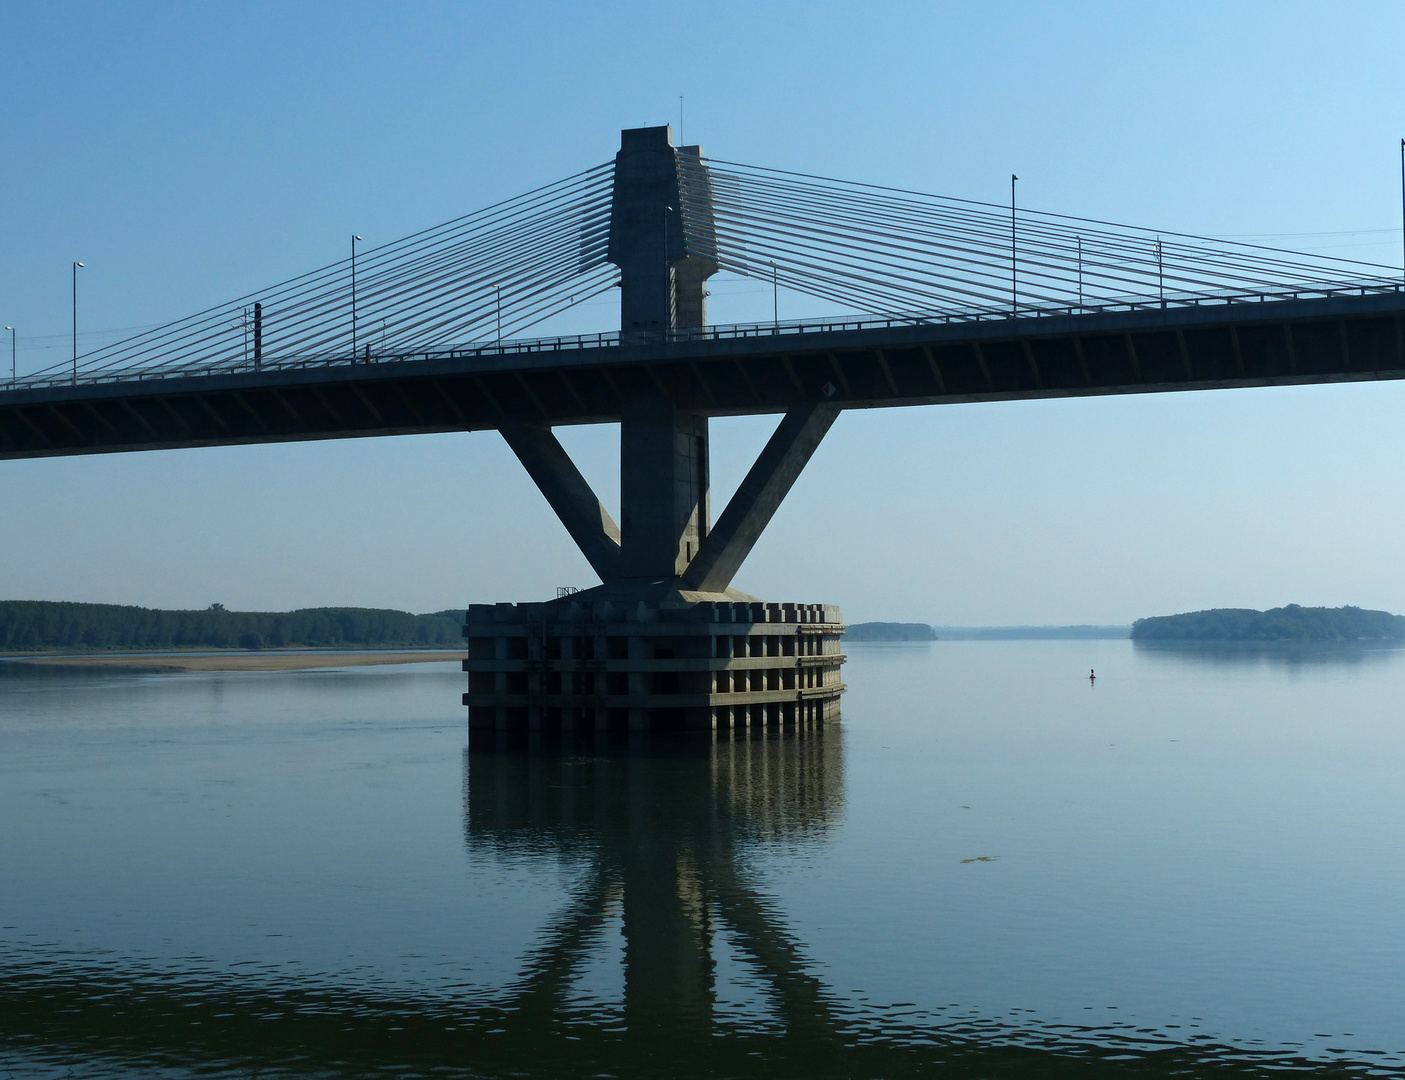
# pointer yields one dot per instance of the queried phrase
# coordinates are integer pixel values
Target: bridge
(949, 301)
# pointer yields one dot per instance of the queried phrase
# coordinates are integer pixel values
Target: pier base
(660, 658)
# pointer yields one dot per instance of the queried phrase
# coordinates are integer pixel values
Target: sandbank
(243, 661)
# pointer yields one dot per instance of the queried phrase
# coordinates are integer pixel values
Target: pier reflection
(661, 831)
(663, 841)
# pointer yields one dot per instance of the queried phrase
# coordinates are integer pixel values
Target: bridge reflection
(663, 829)
(666, 837)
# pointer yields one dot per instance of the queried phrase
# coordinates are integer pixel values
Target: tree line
(890, 631)
(30, 625)
(1289, 623)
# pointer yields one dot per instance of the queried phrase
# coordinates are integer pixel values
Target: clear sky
(190, 153)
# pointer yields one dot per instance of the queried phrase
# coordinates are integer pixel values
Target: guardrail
(727, 332)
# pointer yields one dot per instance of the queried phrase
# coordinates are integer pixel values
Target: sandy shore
(244, 661)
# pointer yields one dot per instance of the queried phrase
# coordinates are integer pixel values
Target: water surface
(1194, 866)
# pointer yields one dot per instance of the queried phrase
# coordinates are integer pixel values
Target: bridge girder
(1338, 339)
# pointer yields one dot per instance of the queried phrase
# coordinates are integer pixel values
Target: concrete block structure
(580, 664)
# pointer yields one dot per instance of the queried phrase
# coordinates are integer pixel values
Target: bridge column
(663, 489)
(557, 477)
(662, 235)
(665, 532)
(665, 643)
(756, 501)
(699, 262)
(646, 231)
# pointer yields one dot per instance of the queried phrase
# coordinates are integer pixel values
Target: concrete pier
(665, 643)
(677, 663)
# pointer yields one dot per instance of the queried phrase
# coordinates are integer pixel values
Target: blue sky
(189, 153)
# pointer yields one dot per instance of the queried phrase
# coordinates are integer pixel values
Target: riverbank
(63, 626)
(239, 661)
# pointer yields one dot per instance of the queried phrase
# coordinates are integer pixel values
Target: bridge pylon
(664, 642)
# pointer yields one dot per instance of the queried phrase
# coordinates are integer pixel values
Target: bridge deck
(1270, 343)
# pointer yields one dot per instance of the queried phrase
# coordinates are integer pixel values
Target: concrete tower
(664, 642)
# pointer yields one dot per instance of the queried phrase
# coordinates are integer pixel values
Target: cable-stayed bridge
(998, 302)
(945, 300)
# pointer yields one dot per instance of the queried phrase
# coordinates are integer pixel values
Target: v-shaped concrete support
(584, 515)
(664, 489)
(759, 497)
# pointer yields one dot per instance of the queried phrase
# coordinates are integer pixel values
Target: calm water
(991, 868)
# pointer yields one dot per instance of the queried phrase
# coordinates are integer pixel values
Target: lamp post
(497, 293)
(775, 298)
(1080, 273)
(13, 376)
(1160, 275)
(76, 265)
(354, 238)
(1014, 262)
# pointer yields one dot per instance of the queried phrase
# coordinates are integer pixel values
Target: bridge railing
(724, 332)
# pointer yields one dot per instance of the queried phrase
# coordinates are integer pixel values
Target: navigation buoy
(1092, 675)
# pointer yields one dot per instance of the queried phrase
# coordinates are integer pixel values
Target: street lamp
(13, 377)
(354, 238)
(1160, 275)
(1014, 255)
(75, 322)
(1080, 273)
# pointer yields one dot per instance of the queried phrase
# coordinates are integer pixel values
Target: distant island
(1081, 632)
(41, 625)
(890, 631)
(1290, 623)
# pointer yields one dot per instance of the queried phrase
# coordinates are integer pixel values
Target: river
(991, 867)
